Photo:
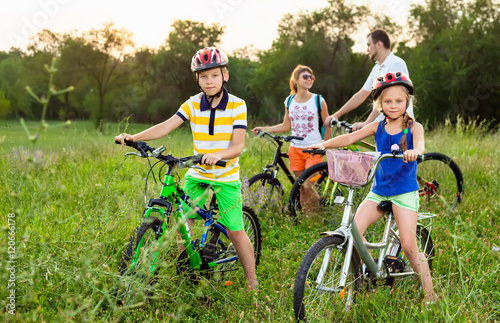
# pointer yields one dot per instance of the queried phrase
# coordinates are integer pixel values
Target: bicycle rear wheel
(328, 201)
(226, 252)
(140, 263)
(318, 296)
(441, 183)
(265, 193)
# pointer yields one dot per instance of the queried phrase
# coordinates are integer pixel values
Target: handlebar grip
(295, 138)
(221, 163)
(129, 143)
(315, 151)
(138, 145)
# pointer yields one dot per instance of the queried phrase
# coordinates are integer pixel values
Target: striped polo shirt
(212, 130)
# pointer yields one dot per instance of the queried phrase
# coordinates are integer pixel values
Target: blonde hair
(299, 69)
(407, 119)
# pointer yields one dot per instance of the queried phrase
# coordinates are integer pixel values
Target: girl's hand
(410, 155)
(316, 146)
(124, 136)
(210, 159)
(256, 130)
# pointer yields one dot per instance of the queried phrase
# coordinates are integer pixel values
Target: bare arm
(324, 116)
(373, 115)
(234, 150)
(155, 132)
(417, 132)
(348, 139)
(355, 101)
(282, 127)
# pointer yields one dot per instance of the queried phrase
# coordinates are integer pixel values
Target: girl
(304, 113)
(396, 179)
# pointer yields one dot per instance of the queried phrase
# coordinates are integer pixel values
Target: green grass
(77, 200)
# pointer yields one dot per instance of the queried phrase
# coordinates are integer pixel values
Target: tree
(455, 65)
(321, 40)
(107, 51)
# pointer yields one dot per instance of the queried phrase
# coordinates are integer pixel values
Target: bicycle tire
(440, 183)
(319, 304)
(329, 208)
(265, 193)
(225, 248)
(136, 281)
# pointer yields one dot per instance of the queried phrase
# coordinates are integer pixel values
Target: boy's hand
(410, 155)
(124, 136)
(256, 130)
(210, 159)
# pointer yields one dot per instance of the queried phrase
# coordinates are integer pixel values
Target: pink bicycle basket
(348, 167)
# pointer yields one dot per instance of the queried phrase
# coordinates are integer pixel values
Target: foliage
(44, 101)
(77, 200)
(450, 49)
(454, 65)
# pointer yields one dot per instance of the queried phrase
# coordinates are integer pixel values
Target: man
(379, 50)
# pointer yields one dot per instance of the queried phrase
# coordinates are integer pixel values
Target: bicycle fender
(342, 233)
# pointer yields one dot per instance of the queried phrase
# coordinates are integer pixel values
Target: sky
(250, 22)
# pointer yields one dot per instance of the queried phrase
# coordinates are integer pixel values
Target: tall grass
(77, 200)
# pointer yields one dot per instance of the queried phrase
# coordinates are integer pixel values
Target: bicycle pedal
(395, 264)
(209, 251)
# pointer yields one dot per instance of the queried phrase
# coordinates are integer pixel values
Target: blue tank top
(393, 176)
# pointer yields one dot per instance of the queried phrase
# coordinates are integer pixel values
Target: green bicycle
(154, 243)
(439, 177)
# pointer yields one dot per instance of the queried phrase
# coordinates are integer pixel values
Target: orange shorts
(299, 160)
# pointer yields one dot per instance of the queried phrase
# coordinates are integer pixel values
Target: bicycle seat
(385, 206)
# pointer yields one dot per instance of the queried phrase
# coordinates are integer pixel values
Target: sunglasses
(308, 77)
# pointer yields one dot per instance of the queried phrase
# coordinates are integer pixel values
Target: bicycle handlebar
(144, 148)
(315, 151)
(279, 138)
(340, 124)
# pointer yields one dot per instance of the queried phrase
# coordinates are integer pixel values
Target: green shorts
(228, 195)
(408, 200)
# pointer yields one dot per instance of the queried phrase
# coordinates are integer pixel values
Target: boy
(218, 123)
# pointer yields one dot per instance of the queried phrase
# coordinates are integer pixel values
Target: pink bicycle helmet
(208, 57)
(391, 79)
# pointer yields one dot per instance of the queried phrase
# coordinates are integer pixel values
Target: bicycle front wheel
(441, 183)
(265, 193)
(226, 255)
(326, 199)
(318, 294)
(140, 264)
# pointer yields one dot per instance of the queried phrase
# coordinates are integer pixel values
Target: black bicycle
(265, 189)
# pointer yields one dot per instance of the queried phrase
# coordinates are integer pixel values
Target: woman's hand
(124, 136)
(210, 159)
(316, 146)
(410, 155)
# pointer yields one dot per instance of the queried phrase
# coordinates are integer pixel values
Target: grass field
(71, 202)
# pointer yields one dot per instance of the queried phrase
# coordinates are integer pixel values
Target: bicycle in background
(266, 191)
(154, 245)
(439, 178)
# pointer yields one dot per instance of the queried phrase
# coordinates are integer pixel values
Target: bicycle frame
(278, 160)
(348, 231)
(170, 196)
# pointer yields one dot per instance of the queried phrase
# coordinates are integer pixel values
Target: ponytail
(407, 123)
